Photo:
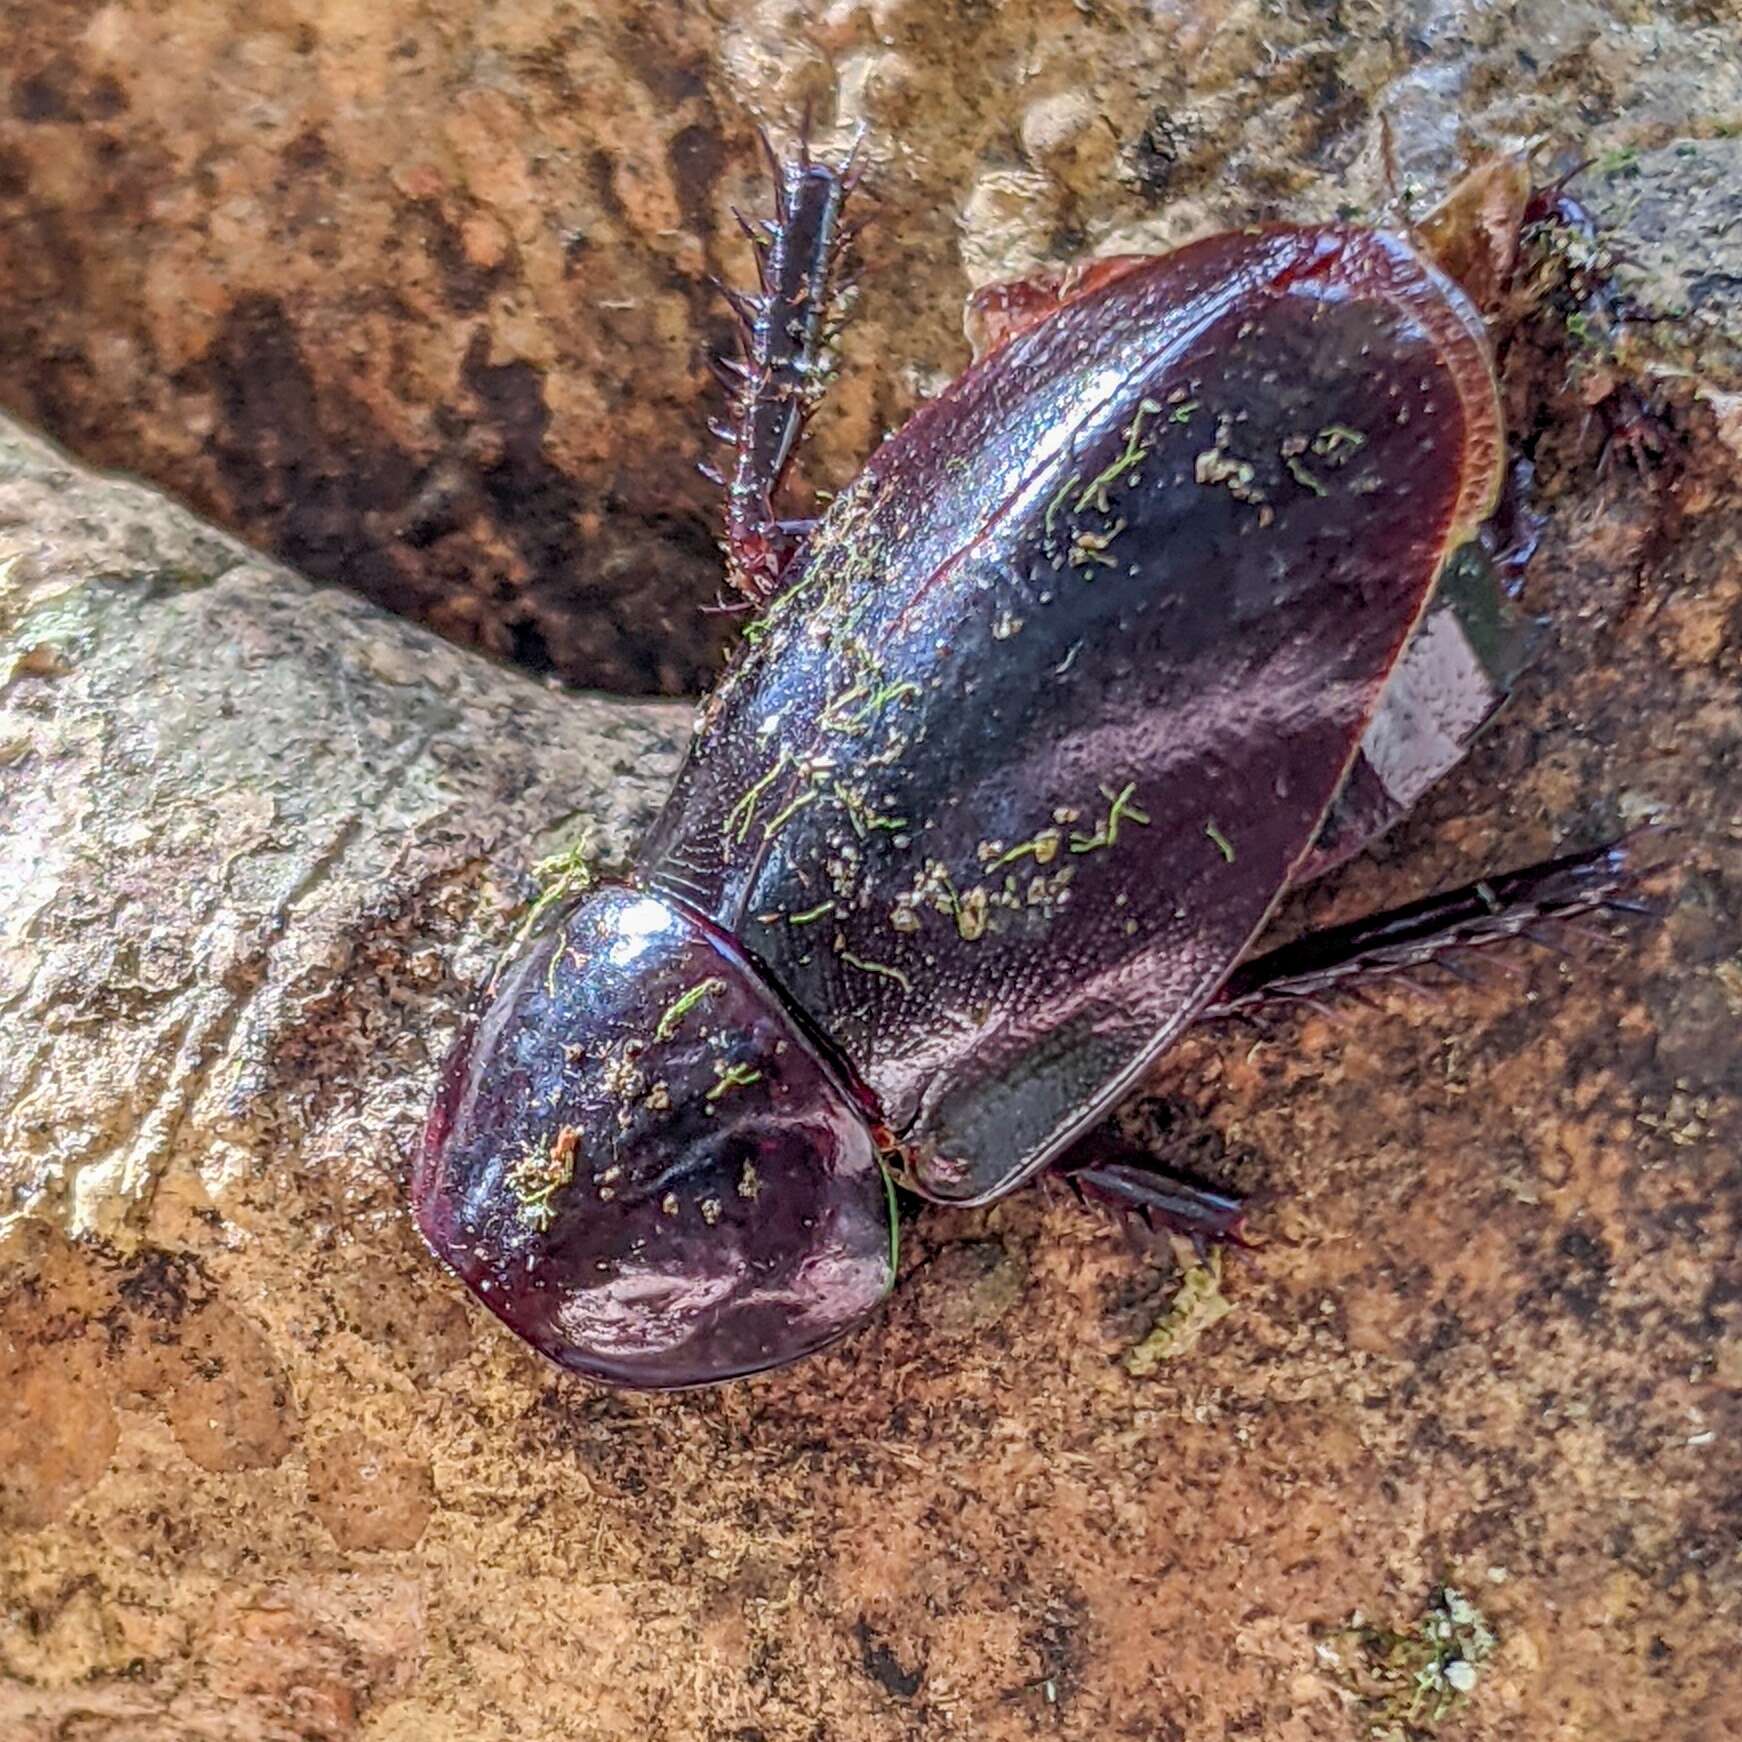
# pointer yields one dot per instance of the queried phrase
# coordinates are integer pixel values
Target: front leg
(774, 382)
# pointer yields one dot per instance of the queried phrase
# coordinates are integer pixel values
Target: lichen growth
(1120, 810)
(882, 970)
(556, 877)
(619, 1076)
(864, 816)
(1197, 1304)
(1337, 442)
(787, 812)
(729, 1077)
(561, 872)
(1043, 847)
(542, 1171)
(1095, 491)
(854, 710)
(683, 1004)
(736, 827)
(1405, 1682)
(1216, 466)
(1058, 500)
(1091, 548)
(971, 914)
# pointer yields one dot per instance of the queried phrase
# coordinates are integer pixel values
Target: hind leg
(778, 375)
(1431, 932)
(1434, 931)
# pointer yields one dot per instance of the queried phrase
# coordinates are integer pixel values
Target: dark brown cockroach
(1172, 601)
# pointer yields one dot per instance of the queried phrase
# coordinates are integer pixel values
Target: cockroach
(1174, 600)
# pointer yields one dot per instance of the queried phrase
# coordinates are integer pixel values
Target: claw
(1616, 904)
(729, 607)
(1162, 1200)
(776, 173)
(758, 231)
(1452, 970)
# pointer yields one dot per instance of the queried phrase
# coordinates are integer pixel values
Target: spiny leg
(1434, 931)
(785, 326)
(1102, 1170)
(1424, 933)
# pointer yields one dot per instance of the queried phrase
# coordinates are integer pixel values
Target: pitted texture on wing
(1021, 764)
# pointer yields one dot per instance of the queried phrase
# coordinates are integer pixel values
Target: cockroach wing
(1014, 773)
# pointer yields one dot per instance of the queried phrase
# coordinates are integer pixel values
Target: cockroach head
(642, 1164)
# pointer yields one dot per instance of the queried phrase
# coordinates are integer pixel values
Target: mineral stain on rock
(306, 452)
(369, 1493)
(885, 1668)
(148, 1333)
(57, 1433)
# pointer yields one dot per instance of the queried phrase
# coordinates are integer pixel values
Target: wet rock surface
(263, 1471)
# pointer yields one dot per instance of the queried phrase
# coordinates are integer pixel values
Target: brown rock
(368, 1493)
(258, 841)
(228, 1403)
(416, 296)
(57, 1434)
(967, 1288)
